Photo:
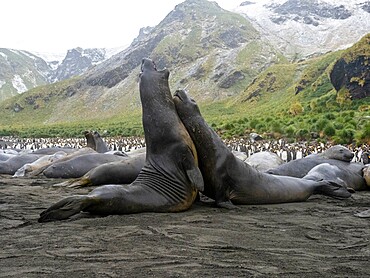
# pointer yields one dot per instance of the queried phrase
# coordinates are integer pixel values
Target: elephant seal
(11, 165)
(79, 165)
(336, 155)
(95, 142)
(75, 153)
(264, 160)
(227, 178)
(53, 150)
(39, 163)
(352, 180)
(6, 156)
(170, 178)
(119, 172)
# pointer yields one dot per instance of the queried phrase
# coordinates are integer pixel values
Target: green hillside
(278, 99)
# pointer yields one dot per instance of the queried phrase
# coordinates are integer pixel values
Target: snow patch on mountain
(18, 84)
(4, 55)
(2, 83)
(305, 27)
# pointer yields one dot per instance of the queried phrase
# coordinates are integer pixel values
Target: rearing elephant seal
(170, 179)
(227, 178)
(94, 141)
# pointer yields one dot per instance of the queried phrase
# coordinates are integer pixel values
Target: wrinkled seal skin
(170, 179)
(227, 178)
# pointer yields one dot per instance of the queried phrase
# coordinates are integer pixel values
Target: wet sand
(317, 238)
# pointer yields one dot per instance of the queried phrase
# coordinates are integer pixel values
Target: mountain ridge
(217, 54)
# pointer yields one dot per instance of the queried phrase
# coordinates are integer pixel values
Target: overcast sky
(55, 26)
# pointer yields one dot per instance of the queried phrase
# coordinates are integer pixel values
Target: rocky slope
(215, 53)
(351, 73)
(21, 70)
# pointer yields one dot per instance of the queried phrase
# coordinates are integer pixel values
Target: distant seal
(170, 179)
(264, 160)
(79, 165)
(11, 165)
(336, 155)
(119, 172)
(226, 178)
(77, 152)
(39, 163)
(53, 150)
(95, 142)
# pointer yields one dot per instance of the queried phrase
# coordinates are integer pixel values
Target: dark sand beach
(317, 238)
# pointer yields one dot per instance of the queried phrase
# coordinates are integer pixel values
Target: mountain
(217, 52)
(301, 28)
(229, 66)
(22, 70)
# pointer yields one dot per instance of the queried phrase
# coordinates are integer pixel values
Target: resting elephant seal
(335, 155)
(79, 165)
(264, 161)
(226, 178)
(170, 179)
(119, 172)
(53, 150)
(38, 164)
(352, 180)
(11, 165)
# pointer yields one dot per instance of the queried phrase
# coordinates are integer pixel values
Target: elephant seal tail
(332, 189)
(64, 209)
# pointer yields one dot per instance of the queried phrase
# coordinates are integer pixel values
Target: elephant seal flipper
(195, 177)
(63, 209)
(333, 189)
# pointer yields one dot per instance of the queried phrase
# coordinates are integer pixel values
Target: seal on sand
(170, 179)
(119, 172)
(336, 155)
(352, 180)
(227, 178)
(11, 165)
(78, 166)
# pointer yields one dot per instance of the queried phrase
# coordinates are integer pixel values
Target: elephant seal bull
(170, 178)
(227, 178)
